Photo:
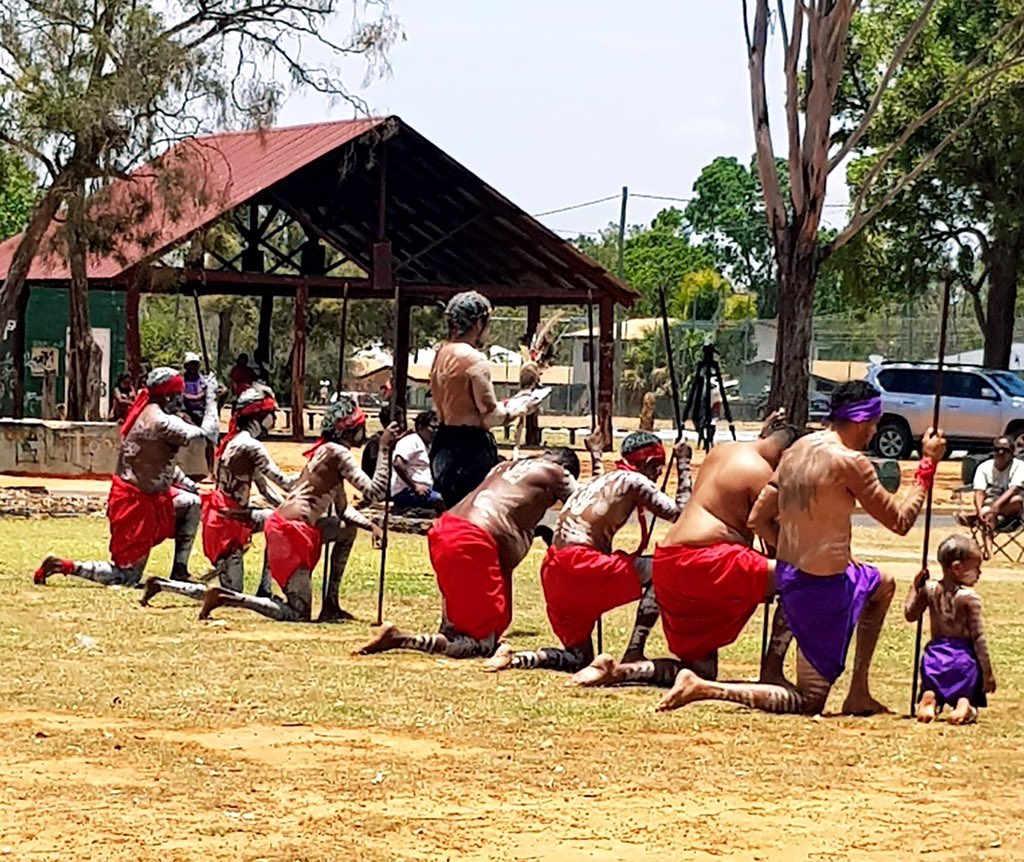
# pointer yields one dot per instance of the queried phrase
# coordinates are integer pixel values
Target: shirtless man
(463, 450)
(298, 527)
(581, 575)
(707, 578)
(955, 667)
(150, 498)
(805, 511)
(475, 547)
(228, 520)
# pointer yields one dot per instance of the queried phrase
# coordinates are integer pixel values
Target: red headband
(171, 386)
(346, 423)
(266, 405)
(649, 452)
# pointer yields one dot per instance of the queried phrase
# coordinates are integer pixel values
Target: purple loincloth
(950, 668)
(823, 611)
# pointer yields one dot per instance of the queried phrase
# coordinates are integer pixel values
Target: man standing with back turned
(464, 451)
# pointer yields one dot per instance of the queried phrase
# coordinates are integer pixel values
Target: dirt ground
(142, 734)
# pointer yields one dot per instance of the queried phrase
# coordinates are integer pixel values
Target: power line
(576, 206)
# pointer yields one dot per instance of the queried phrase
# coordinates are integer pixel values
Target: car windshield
(1008, 382)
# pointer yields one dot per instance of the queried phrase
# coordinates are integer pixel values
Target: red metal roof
(448, 229)
(227, 169)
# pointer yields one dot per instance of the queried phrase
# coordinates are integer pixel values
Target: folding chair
(1006, 539)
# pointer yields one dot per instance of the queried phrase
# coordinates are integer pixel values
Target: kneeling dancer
(228, 520)
(707, 578)
(805, 512)
(150, 499)
(475, 547)
(582, 577)
(298, 527)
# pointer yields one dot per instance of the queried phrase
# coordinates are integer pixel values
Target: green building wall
(47, 322)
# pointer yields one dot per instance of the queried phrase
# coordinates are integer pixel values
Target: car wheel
(893, 440)
(1017, 436)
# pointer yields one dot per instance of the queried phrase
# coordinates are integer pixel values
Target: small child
(955, 667)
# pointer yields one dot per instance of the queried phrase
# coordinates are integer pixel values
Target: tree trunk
(14, 293)
(225, 323)
(83, 388)
(1001, 302)
(798, 270)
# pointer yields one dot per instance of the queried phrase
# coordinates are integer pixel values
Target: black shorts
(460, 458)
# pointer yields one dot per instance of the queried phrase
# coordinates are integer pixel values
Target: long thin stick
(673, 380)
(593, 420)
(327, 574)
(384, 546)
(925, 552)
(202, 330)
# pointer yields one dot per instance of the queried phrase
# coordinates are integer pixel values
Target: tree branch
(876, 101)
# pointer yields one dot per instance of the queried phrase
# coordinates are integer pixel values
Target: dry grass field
(142, 734)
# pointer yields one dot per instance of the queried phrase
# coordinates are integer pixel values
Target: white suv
(978, 404)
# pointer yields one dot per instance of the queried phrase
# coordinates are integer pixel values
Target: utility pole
(620, 271)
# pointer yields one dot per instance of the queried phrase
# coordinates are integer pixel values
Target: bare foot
(52, 565)
(334, 614)
(213, 599)
(686, 690)
(926, 708)
(180, 573)
(501, 660)
(151, 589)
(964, 713)
(601, 671)
(864, 705)
(385, 639)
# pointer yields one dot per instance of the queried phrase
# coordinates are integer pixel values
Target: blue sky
(564, 101)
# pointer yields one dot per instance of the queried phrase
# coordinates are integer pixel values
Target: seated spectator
(121, 398)
(998, 487)
(412, 484)
(372, 445)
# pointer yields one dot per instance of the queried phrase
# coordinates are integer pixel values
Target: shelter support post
(263, 332)
(138, 282)
(400, 365)
(532, 325)
(299, 362)
(17, 348)
(606, 369)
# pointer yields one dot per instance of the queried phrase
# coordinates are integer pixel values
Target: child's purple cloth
(950, 668)
(822, 611)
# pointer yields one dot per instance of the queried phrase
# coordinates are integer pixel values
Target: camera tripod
(707, 374)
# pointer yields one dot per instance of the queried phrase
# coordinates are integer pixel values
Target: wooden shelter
(369, 196)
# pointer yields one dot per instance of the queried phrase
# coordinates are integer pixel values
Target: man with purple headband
(826, 595)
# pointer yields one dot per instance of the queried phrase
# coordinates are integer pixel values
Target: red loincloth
(707, 594)
(222, 534)
(477, 595)
(580, 584)
(138, 522)
(291, 545)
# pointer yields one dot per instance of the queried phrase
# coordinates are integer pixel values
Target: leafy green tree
(814, 38)
(89, 89)
(967, 213)
(727, 213)
(18, 186)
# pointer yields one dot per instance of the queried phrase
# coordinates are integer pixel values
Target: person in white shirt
(999, 486)
(412, 484)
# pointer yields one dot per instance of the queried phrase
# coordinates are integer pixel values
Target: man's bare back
(511, 501)
(729, 481)
(322, 482)
(245, 461)
(460, 382)
(820, 481)
(147, 456)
